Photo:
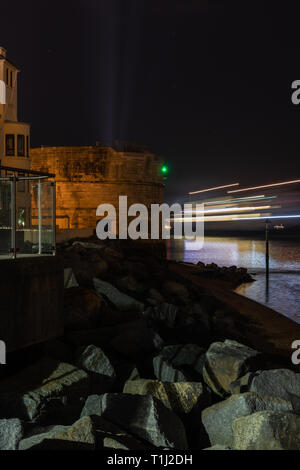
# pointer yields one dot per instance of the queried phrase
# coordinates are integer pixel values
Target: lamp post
(268, 226)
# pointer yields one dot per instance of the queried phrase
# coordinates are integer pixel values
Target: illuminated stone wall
(89, 176)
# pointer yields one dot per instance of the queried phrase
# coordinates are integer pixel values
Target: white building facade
(14, 135)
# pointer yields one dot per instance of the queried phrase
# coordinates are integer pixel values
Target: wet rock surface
(148, 360)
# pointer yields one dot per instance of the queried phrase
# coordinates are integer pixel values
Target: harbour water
(282, 292)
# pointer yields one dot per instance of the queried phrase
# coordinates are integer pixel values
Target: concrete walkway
(266, 330)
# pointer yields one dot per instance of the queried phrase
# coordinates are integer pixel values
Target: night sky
(206, 84)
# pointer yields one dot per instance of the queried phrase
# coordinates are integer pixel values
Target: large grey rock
(129, 283)
(81, 435)
(120, 300)
(102, 336)
(218, 419)
(218, 447)
(11, 432)
(267, 430)
(48, 389)
(69, 278)
(82, 308)
(125, 371)
(155, 296)
(39, 434)
(93, 359)
(281, 383)
(163, 313)
(177, 292)
(225, 362)
(144, 417)
(134, 373)
(136, 342)
(198, 313)
(181, 397)
(166, 372)
(87, 433)
(110, 436)
(179, 363)
(86, 264)
(89, 245)
(123, 442)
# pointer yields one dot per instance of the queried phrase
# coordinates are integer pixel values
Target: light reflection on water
(283, 291)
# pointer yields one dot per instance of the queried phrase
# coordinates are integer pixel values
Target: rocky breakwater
(149, 360)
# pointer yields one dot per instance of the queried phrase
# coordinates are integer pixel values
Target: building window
(21, 145)
(10, 145)
(27, 146)
(7, 76)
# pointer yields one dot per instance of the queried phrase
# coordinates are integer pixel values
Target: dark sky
(204, 83)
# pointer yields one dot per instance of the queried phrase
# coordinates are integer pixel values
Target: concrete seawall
(31, 291)
(261, 327)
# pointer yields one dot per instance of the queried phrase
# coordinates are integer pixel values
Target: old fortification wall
(89, 176)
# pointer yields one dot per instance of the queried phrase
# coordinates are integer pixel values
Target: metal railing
(26, 197)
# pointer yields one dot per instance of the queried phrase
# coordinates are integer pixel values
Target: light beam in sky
(213, 189)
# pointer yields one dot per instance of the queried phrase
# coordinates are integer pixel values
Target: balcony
(27, 213)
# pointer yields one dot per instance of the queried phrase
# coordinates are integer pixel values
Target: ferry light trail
(263, 186)
(216, 218)
(213, 189)
(231, 209)
(269, 217)
(242, 199)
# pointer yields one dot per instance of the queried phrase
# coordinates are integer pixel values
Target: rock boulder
(225, 362)
(145, 417)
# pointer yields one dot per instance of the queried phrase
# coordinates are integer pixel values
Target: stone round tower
(87, 176)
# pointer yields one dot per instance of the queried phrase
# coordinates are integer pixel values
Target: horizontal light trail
(228, 218)
(213, 218)
(263, 186)
(232, 209)
(213, 189)
(271, 217)
(242, 199)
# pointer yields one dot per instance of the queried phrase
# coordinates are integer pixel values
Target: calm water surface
(282, 292)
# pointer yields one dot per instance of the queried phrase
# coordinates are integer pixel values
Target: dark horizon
(204, 84)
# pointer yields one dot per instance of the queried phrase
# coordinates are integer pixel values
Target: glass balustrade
(27, 213)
